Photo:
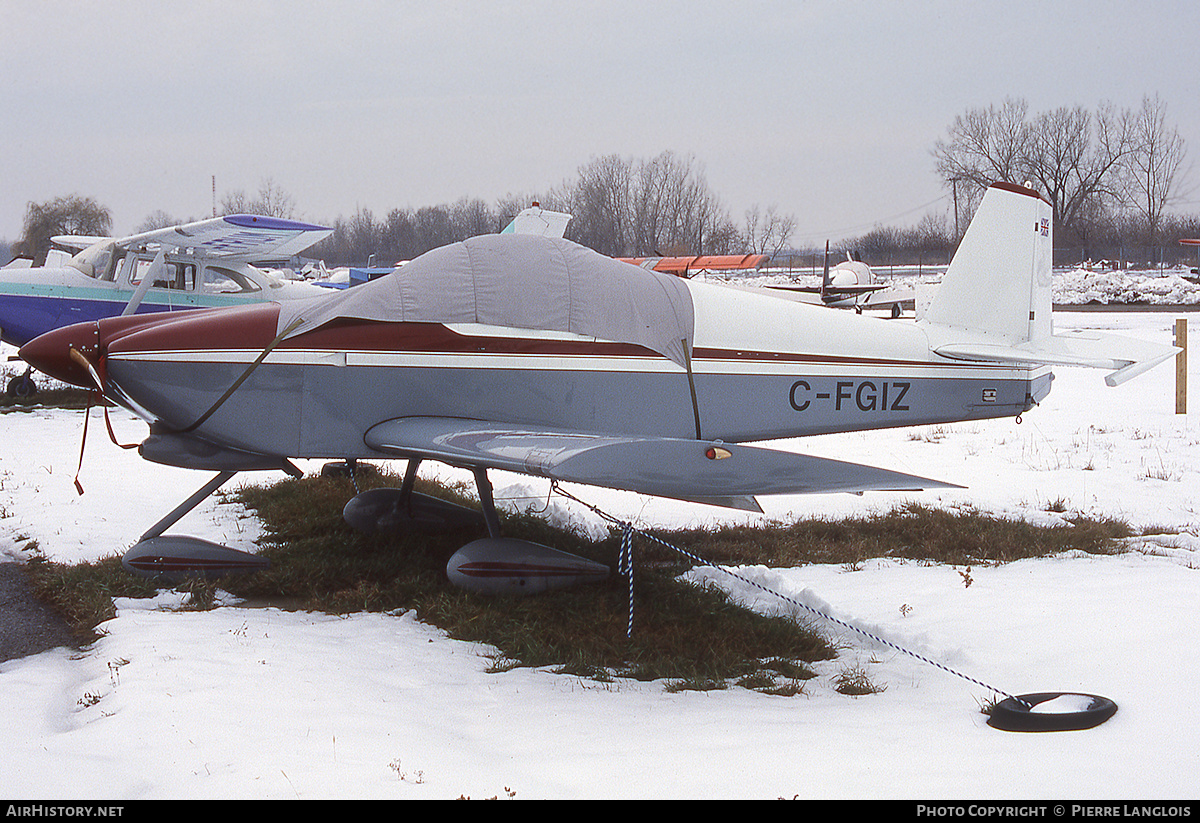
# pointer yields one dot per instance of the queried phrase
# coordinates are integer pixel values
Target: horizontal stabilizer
(709, 472)
(692, 264)
(889, 296)
(1126, 356)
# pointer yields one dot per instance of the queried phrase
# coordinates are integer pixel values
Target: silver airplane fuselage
(762, 369)
(535, 355)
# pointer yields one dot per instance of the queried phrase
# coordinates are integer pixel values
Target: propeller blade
(82, 360)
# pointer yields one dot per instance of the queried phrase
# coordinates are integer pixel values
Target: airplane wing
(835, 291)
(889, 295)
(717, 473)
(242, 236)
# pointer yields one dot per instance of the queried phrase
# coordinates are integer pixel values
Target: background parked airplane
(208, 263)
(851, 284)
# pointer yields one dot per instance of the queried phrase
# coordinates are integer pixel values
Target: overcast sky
(827, 110)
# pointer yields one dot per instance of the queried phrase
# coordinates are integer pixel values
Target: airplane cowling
(503, 565)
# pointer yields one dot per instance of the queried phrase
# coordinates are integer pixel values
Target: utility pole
(954, 185)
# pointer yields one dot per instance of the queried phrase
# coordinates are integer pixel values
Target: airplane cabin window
(186, 276)
(178, 275)
(139, 269)
(94, 261)
(219, 280)
(181, 276)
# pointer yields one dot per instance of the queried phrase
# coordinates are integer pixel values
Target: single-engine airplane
(539, 356)
(851, 284)
(202, 264)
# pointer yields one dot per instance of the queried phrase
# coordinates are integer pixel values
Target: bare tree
(434, 228)
(662, 205)
(985, 145)
(235, 202)
(364, 235)
(599, 204)
(769, 233)
(158, 219)
(1071, 155)
(674, 211)
(398, 239)
(63, 215)
(405, 233)
(1152, 168)
(657, 201)
(272, 201)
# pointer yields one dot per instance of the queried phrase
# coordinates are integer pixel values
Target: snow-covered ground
(1080, 286)
(244, 702)
(1076, 286)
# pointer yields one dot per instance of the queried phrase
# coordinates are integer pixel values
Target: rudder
(999, 280)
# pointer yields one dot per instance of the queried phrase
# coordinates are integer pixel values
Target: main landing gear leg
(487, 502)
(406, 510)
(406, 487)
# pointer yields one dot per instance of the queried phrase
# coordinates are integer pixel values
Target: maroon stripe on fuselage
(255, 327)
(435, 338)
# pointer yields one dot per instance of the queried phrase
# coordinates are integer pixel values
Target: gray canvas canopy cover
(518, 281)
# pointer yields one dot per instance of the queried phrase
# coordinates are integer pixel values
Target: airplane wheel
(22, 387)
(338, 469)
(895, 310)
(342, 468)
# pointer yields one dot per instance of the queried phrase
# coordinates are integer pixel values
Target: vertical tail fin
(994, 303)
(999, 280)
(539, 221)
